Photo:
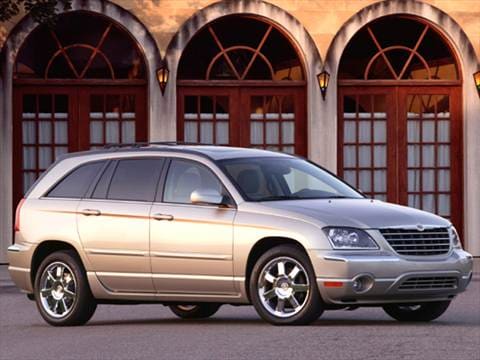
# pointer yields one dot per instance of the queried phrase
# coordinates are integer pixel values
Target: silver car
(195, 227)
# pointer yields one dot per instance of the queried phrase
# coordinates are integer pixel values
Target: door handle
(91, 212)
(161, 217)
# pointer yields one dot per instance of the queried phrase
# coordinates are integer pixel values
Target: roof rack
(143, 144)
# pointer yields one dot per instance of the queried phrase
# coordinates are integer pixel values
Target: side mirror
(206, 196)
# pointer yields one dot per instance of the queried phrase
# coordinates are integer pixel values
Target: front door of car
(191, 244)
(114, 224)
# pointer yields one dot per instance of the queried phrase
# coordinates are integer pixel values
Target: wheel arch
(263, 245)
(46, 248)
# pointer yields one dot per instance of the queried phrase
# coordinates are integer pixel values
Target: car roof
(210, 151)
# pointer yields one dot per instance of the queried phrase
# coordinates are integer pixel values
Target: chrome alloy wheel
(283, 287)
(57, 289)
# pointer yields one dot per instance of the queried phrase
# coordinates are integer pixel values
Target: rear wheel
(62, 292)
(194, 311)
(283, 287)
(417, 312)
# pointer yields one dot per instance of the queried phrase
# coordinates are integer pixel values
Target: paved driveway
(152, 332)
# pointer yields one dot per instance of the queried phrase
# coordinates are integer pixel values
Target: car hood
(360, 213)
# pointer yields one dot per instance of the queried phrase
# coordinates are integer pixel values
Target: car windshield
(281, 178)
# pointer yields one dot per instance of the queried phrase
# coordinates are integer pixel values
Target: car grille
(419, 243)
(429, 283)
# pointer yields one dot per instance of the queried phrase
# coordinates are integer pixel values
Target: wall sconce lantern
(476, 77)
(323, 79)
(162, 76)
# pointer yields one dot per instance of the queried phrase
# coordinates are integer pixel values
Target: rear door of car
(191, 244)
(113, 223)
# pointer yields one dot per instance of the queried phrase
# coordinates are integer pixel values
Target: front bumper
(337, 271)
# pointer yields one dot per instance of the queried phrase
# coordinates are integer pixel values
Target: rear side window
(135, 180)
(76, 184)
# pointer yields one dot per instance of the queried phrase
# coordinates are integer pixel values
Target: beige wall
(321, 18)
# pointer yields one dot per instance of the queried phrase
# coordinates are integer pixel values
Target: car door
(190, 244)
(114, 224)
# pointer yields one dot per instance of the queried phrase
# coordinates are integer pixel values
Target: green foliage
(42, 11)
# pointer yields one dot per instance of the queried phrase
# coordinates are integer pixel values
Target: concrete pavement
(153, 332)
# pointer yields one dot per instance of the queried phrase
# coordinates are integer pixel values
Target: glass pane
(96, 132)
(28, 180)
(288, 132)
(365, 179)
(256, 133)
(222, 133)
(380, 131)
(428, 155)
(443, 131)
(44, 132)
(349, 132)
(206, 132)
(29, 162)
(28, 132)
(413, 132)
(414, 201)
(61, 132)
(364, 131)
(380, 156)
(443, 155)
(428, 131)
(380, 180)
(350, 177)
(112, 131)
(272, 132)
(428, 180)
(443, 180)
(44, 157)
(128, 132)
(349, 156)
(444, 205)
(414, 180)
(413, 156)
(428, 203)
(191, 131)
(364, 156)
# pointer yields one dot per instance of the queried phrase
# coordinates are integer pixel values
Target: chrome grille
(429, 283)
(409, 242)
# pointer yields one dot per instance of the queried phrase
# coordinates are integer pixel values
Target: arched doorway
(75, 90)
(242, 88)
(400, 117)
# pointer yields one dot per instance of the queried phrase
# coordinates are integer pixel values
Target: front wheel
(283, 287)
(418, 312)
(62, 292)
(194, 311)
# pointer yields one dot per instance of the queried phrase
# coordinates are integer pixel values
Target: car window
(101, 188)
(280, 178)
(76, 184)
(184, 177)
(135, 180)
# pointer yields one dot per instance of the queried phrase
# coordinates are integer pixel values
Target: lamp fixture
(162, 76)
(476, 78)
(323, 79)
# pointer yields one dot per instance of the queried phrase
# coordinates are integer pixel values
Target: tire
(285, 294)
(194, 311)
(419, 312)
(68, 301)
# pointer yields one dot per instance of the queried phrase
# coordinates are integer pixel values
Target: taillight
(17, 215)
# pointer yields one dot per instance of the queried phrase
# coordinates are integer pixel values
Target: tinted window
(135, 179)
(184, 177)
(101, 188)
(76, 184)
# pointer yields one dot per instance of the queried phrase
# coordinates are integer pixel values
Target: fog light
(362, 283)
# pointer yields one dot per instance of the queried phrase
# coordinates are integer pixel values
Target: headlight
(455, 238)
(348, 239)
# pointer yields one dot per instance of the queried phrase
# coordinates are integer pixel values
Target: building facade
(400, 118)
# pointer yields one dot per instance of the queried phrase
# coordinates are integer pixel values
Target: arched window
(400, 120)
(241, 82)
(398, 48)
(78, 86)
(80, 46)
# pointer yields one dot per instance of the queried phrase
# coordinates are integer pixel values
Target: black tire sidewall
(84, 304)
(201, 311)
(314, 306)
